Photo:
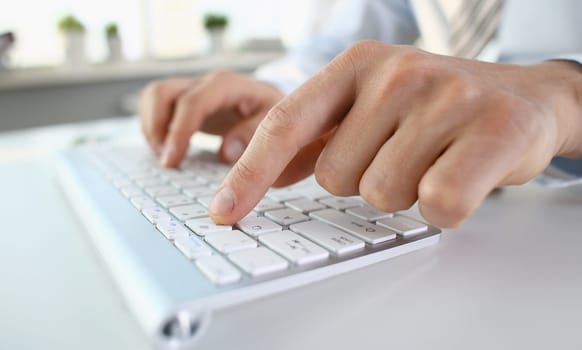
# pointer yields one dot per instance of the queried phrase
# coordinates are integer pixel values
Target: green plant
(215, 21)
(111, 30)
(70, 23)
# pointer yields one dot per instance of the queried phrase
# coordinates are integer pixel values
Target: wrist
(562, 86)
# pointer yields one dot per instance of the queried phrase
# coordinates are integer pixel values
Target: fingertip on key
(222, 205)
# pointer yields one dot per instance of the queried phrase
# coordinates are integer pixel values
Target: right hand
(222, 103)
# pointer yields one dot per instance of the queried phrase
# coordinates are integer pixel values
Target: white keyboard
(174, 266)
(291, 230)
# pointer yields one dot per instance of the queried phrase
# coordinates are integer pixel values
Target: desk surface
(510, 278)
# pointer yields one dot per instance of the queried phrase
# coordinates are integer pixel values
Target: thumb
(235, 141)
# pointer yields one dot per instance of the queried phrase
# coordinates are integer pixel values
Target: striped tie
(472, 26)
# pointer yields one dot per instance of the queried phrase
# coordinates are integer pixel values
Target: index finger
(296, 121)
(156, 108)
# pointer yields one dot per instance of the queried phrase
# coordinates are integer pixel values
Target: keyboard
(141, 213)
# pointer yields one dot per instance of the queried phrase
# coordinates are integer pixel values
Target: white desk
(511, 278)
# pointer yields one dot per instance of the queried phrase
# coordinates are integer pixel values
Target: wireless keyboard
(151, 225)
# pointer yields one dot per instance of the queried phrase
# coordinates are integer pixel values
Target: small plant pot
(115, 48)
(216, 40)
(75, 48)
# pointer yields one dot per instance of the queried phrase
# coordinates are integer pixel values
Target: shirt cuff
(562, 172)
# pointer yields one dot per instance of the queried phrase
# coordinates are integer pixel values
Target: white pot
(115, 48)
(216, 40)
(75, 48)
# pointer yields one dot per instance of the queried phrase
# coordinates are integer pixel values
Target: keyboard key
(331, 238)
(283, 194)
(155, 214)
(174, 200)
(314, 192)
(304, 205)
(205, 201)
(131, 191)
(139, 174)
(170, 174)
(201, 191)
(111, 174)
(172, 229)
(370, 233)
(259, 261)
(192, 247)
(121, 181)
(403, 225)
(267, 204)
(187, 182)
(212, 174)
(218, 270)
(257, 225)
(150, 182)
(159, 191)
(205, 226)
(230, 241)
(368, 213)
(342, 203)
(286, 217)
(294, 247)
(187, 212)
(142, 202)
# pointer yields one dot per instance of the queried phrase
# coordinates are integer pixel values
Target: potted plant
(113, 42)
(215, 25)
(74, 35)
(6, 42)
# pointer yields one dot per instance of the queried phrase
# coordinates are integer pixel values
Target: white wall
(162, 28)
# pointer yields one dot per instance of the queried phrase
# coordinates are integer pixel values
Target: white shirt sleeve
(390, 21)
(571, 57)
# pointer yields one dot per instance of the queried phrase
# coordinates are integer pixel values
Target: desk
(511, 278)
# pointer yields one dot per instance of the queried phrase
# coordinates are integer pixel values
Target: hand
(222, 103)
(403, 125)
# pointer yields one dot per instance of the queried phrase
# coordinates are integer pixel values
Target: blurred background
(64, 61)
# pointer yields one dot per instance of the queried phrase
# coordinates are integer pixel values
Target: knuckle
(326, 175)
(358, 56)
(364, 48)
(154, 89)
(154, 92)
(242, 171)
(409, 69)
(374, 195)
(279, 123)
(444, 203)
(188, 100)
(464, 88)
(385, 196)
(411, 62)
